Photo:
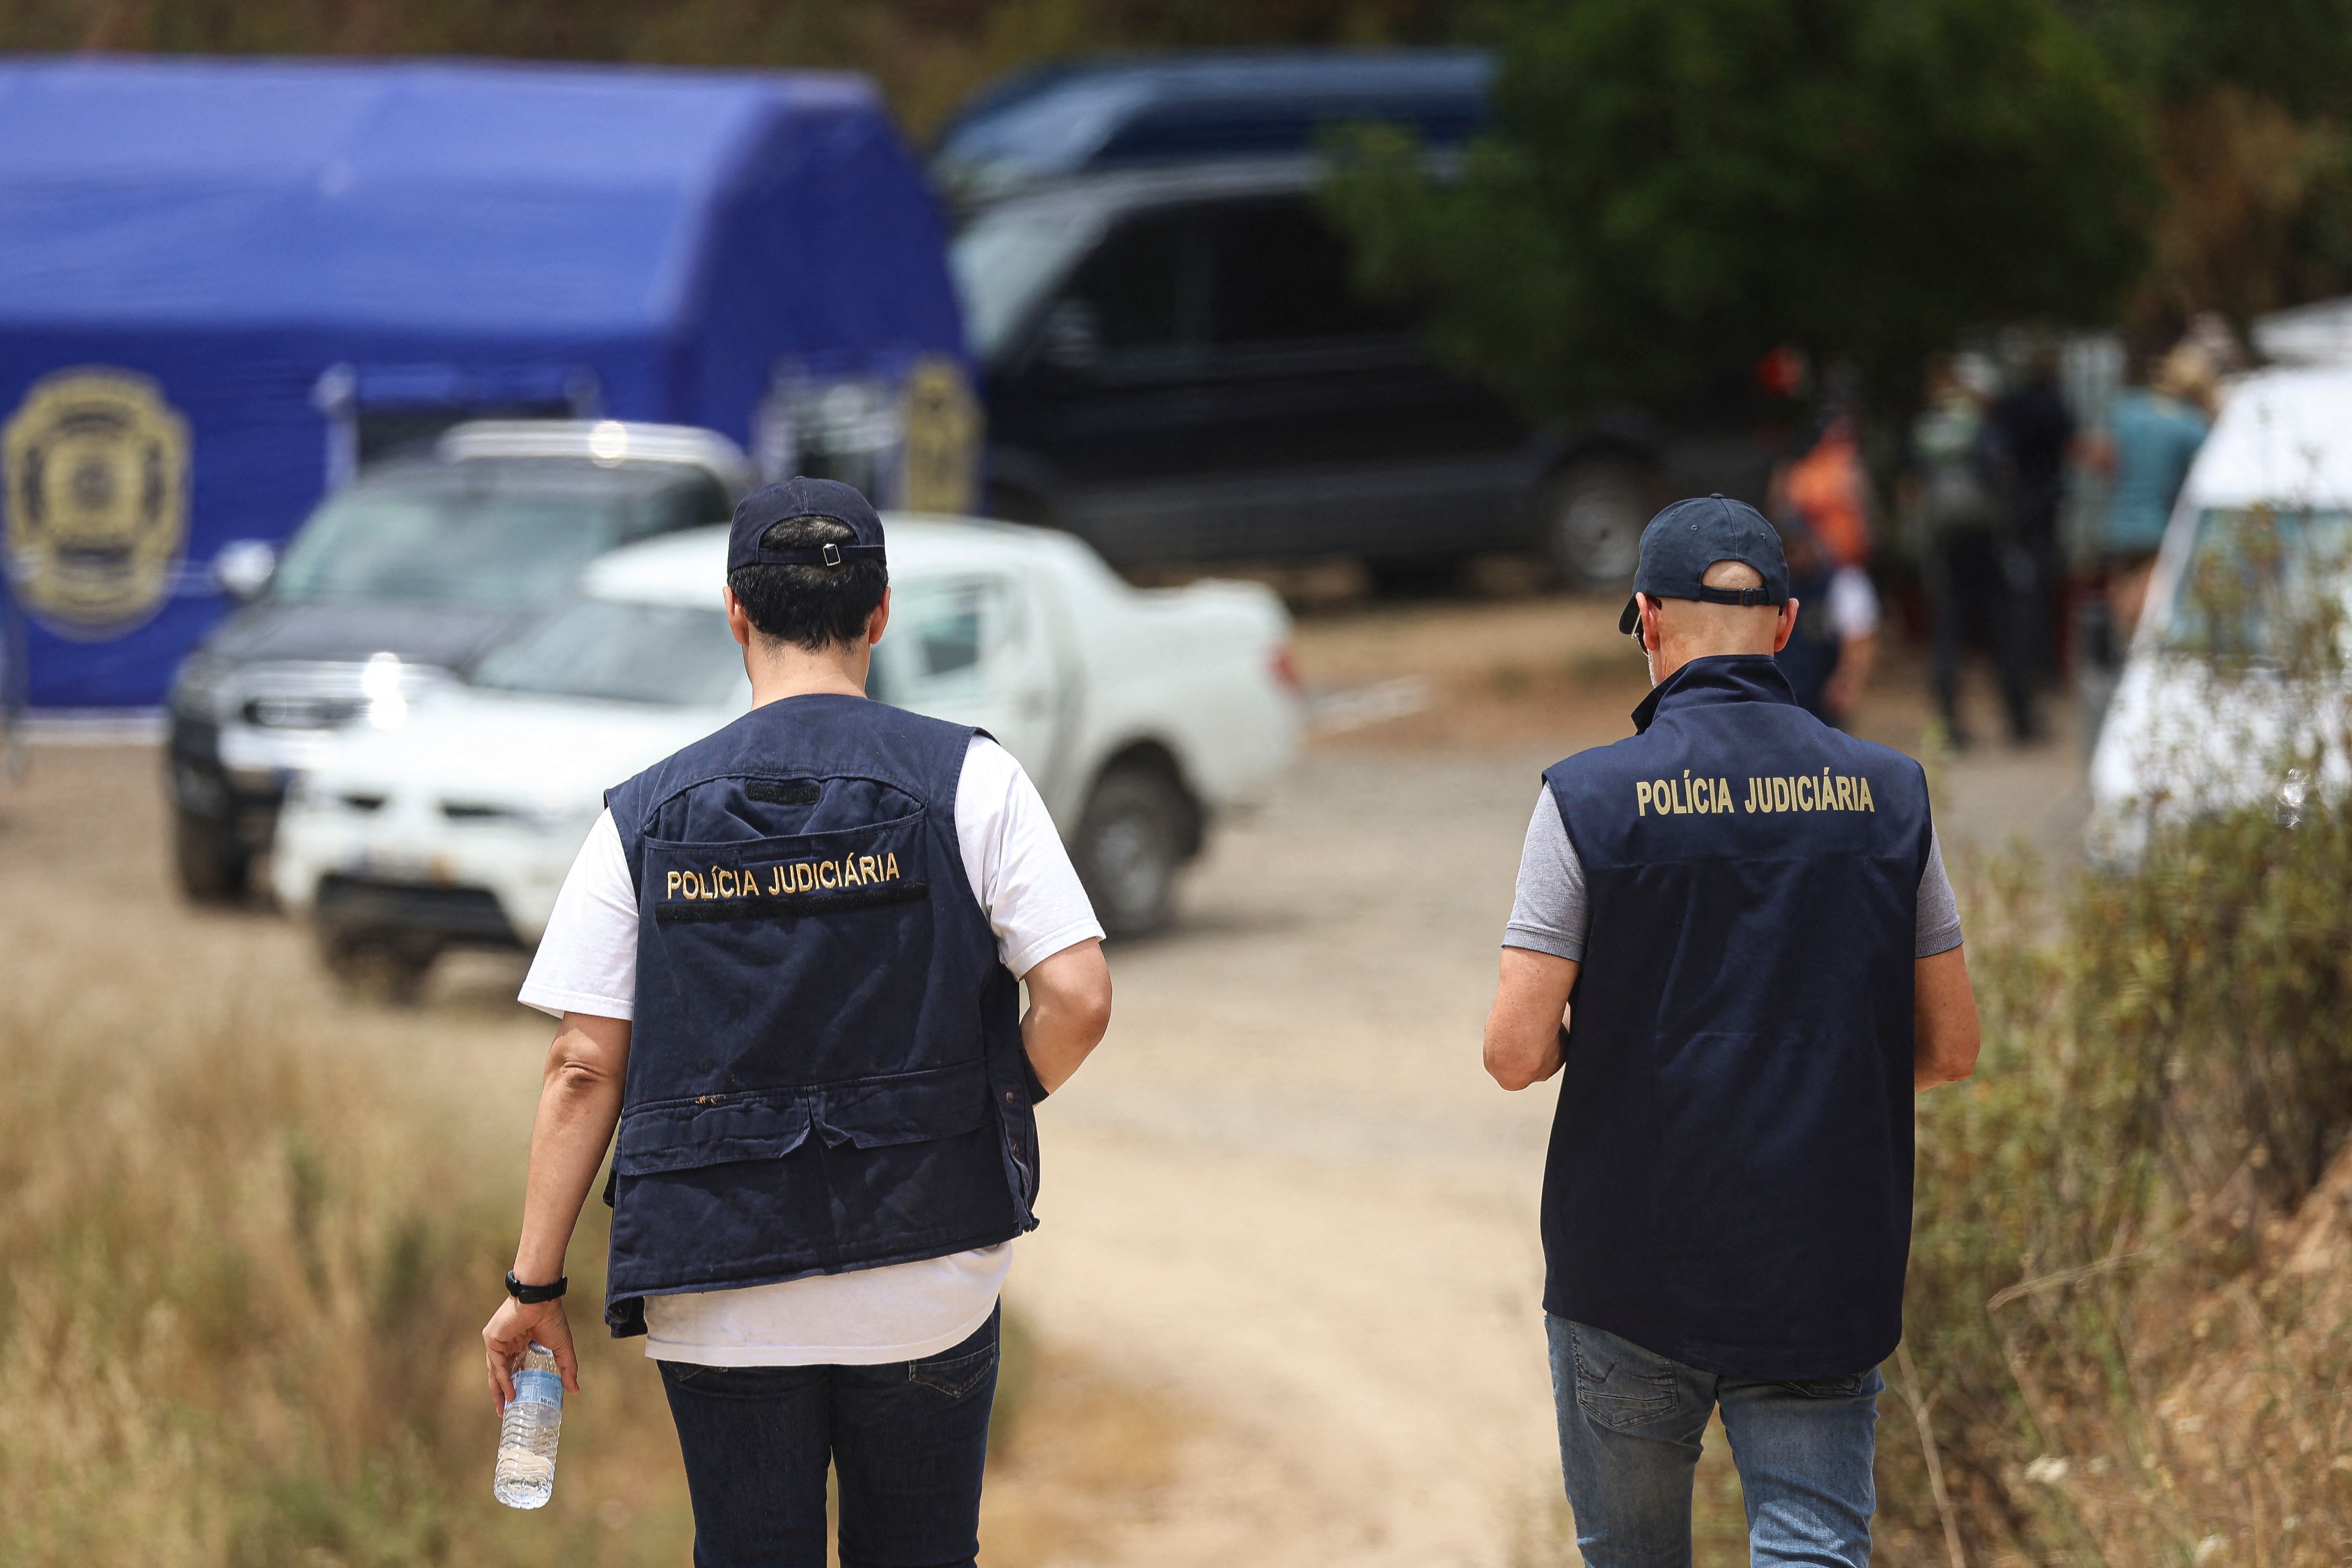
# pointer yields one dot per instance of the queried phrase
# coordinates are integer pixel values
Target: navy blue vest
(825, 1072)
(1729, 1180)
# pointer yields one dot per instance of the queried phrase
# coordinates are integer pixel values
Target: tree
(2251, 112)
(1675, 187)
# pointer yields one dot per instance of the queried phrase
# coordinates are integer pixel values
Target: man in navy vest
(788, 964)
(1742, 915)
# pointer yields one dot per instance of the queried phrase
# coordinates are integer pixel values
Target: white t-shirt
(1853, 604)
(587, 963)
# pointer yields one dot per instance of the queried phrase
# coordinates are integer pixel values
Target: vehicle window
(943, 634)
(699, 500)
(449, 545)
(2266, 585)
(619, 651)
(1143, 286)
(1005, 261)
(1279, 274)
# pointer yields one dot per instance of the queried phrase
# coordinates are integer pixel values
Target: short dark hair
(813, 606)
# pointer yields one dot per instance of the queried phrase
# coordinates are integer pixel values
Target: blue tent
(211, 271)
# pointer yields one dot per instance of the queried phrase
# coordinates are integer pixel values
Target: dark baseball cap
(763, 508)
(1689, 537)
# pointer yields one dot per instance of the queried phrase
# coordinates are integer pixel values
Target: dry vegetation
(2130, 1318)
(249, 1234)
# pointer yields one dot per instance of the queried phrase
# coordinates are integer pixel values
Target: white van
(2216, 708)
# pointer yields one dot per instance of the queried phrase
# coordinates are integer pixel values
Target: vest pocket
(711, 1130)
(906, 1108)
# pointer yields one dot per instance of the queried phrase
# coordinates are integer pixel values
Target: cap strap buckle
(1744, 596)
(832, 555)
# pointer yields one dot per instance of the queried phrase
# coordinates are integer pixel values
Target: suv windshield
(619, 651)
(491, 535)
(2273, 586)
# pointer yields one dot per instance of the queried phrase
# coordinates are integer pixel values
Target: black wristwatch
(531, 1295)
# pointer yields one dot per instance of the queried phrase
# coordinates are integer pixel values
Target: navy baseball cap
(1689, 537)
(763, 508)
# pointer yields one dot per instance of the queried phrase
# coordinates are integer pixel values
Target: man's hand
(1944, 1020)
(1069, 1008)
(1531, 1009)
(508, 1335)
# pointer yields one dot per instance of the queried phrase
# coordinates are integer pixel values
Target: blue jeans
(1630, 1422)
(907, 1441)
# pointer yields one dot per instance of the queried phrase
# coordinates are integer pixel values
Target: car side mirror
(1071, 339)
(243, 568)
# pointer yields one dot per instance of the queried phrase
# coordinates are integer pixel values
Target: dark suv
(1178, 367)
(393, 584)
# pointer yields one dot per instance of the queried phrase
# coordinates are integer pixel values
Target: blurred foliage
(928, 55)
(2251, 113)
(2118, 1358)
(2129, 1313)
(2296, 52)
(1676, 186)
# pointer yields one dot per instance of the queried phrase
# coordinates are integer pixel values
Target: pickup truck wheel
(1593, 513)
(213, 866)
(1128, 846)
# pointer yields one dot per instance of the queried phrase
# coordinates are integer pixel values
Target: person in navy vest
(788, 963)
(1734, 939)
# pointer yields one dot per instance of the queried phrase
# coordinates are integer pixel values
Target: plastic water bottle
(534, 1418)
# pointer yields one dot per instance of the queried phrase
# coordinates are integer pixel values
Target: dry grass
(249, 1234)
(240, 1281)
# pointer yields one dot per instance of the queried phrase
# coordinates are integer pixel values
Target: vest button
(1013, 1097)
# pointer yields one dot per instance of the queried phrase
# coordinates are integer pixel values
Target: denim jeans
(1630, 1422)
(907, 1441)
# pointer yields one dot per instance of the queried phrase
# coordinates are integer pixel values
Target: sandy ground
(1284, 1201)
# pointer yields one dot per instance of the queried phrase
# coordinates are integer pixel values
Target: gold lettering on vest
(1640, 796)
(1862, 788)
(828, 875)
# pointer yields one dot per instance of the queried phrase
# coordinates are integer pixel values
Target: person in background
(2036, 430)
(1834, 647)
(1955, 496)
(2151, 437)
(1829, 490)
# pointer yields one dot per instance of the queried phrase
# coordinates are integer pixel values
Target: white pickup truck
(451, 818)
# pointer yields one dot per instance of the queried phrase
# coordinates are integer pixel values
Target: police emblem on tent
(97, 470)
(942, 424)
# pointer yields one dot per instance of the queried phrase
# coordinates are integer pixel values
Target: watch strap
(531, 1295)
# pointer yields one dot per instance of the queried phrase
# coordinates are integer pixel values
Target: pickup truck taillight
(1284, 667)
